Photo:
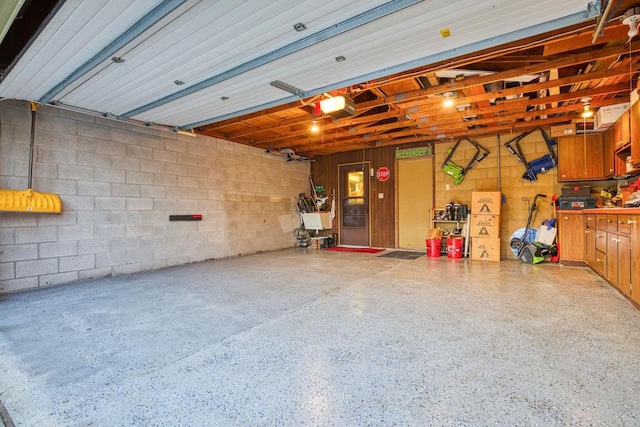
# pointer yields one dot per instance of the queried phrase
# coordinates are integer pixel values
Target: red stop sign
(383, 174)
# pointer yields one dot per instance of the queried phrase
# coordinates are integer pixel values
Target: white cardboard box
(607, 115)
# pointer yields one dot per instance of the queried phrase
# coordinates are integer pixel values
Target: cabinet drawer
(612, 222)
(601, 263)
(624, 224)
(601, 241)
(601, 221)
(590, 220)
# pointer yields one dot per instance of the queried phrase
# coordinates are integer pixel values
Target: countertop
(627, 211)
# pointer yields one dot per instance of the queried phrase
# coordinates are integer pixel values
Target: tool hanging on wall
(541, 165)
(458, 172)
(29, 200)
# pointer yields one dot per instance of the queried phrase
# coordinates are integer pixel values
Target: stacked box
(484, 225)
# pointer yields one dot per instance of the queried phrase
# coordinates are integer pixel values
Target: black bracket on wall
(185, 217)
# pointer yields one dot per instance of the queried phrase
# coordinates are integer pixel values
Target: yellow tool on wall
(29, 200)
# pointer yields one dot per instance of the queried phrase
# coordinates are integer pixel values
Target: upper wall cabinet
(581, 157)
(634, 121)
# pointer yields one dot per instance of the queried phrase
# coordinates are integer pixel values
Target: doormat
(347, 249)
(402, 255)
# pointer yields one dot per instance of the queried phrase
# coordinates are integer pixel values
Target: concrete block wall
(119, 183)
(499, 171)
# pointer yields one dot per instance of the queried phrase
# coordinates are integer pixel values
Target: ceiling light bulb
(587, 113)
(633, 31)
(447, 102)
(314, 126)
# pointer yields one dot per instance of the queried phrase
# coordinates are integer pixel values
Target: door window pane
(355, 184)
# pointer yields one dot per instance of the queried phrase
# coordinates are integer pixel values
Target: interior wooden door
(354, 205)
(415, 199)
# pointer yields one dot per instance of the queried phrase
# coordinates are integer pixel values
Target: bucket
(454, 247)
(433, 247)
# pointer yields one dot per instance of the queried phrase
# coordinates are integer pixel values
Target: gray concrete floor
(302, 337)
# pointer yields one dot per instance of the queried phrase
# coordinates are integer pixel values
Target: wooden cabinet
(609, 164)
(590, 240)
(634, 232)
(621, 131)
(611, 242)
(634, 128)
(581, 157)
(571, 236)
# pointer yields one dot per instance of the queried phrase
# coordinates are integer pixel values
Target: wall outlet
(446, 187)
(380, 195)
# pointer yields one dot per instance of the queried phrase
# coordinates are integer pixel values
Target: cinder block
(125, 190)
(93, 217)
(126, 163)
(110, 231)
(164, 156)
(165, 252)
(77, 203)
(189, 159)
(153, 191)
(197, 194)
(176, 169)
(40, 170)
(7, 237)
(57, 279)
(139, 230)
(176, 146)
(76, 232)
(110, 175)
(165, 180)
(94, 159)
(165, 205)
(93, 246)
(174, 192)
(139, 204)
(127, 268)
(57, 249)
(109, 259)
(92, 130)
(110, 203)
(7, 271)
(190, 182)
(135, 177)
(137, 152)
(36, 267)
(151, 166)
(56, 186)
(153, 265)
(16, 285)
(95, 273)
(75, 263)
(112, 148)
(36, 234)
(86, 188)
(125, 217)
(54, 155)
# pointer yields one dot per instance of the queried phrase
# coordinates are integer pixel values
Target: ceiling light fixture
(447, 102)
(586, 108)
(338, 106)
(314, 126)
(632, 18)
